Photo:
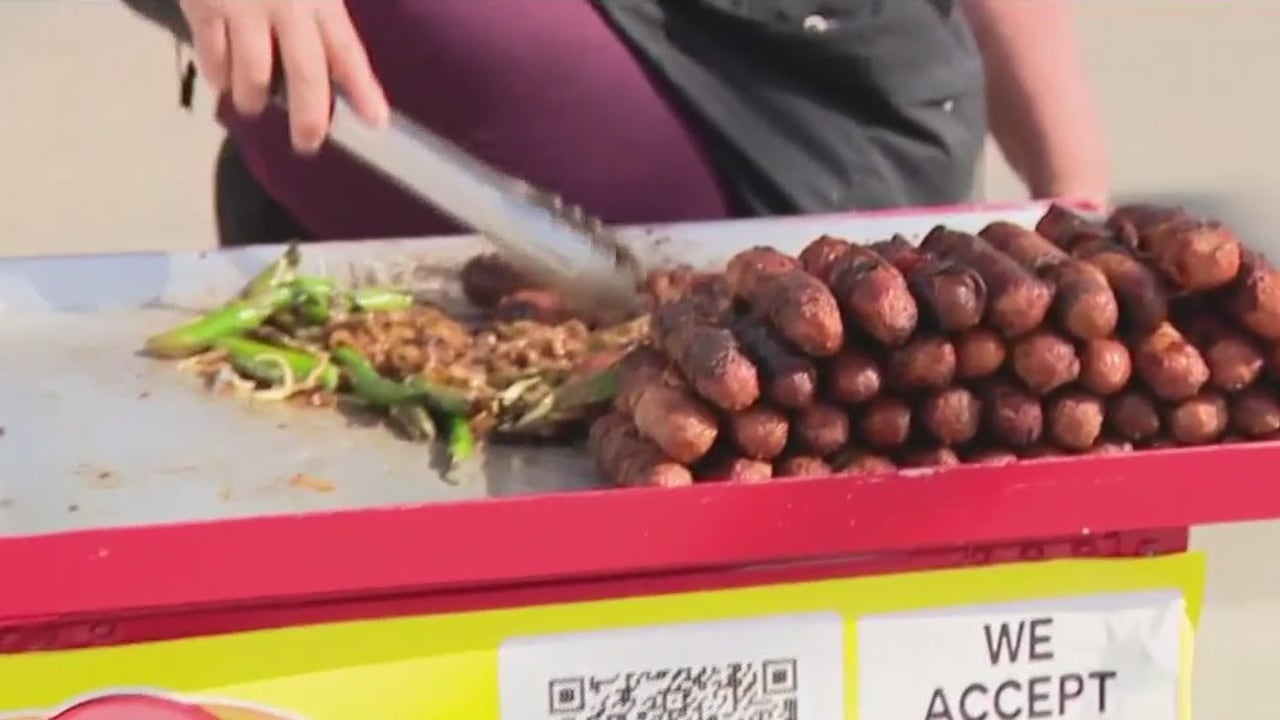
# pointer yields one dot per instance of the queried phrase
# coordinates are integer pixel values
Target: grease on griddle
(315, 484)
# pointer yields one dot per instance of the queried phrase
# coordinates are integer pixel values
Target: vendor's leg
(245, 213)
(549, 94)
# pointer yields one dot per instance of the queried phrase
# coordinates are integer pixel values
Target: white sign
(1111, 656)
(787, 667)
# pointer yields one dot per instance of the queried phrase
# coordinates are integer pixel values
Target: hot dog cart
(169, 553)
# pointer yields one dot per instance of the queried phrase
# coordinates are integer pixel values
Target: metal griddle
(97, 436)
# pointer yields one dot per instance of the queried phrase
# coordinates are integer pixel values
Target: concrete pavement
(97, 156)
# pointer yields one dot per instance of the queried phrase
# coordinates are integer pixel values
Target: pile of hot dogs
(1154, 328)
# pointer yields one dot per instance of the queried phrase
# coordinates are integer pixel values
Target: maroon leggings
(547, 92)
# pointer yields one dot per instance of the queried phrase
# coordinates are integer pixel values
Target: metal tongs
(557, 244)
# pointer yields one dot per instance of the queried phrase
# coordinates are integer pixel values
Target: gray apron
(821, 105)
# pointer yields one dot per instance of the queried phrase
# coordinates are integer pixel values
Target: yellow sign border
(447, 665)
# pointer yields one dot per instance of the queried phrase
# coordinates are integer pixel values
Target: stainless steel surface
(115, 437)
(557, 243)
(96, 435)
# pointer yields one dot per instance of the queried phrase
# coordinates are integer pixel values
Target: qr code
(762, 690)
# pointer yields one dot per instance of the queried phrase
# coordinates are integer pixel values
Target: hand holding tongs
(555, 243)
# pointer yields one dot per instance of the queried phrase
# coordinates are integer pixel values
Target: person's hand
(237, 42)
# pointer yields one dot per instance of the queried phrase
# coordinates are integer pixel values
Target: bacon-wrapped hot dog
(1011, 415)
(1199, 420)
(681, 426)
(1105, 366)
(798, 306)
(980, 352)
(1254, 298)
(857, 460)
(709, 357)
(1193, 254)
(1234, 359)
(940, 457)
(1017, 301)
(749, 268)
(1027, 247)
(802, 310)
(1255, 412)
(662, 408)
(951, 416)
(1133, 416)
(1142, 298)
(733, 468)
(873, 294)
(852, 377)
(487, 278)
(953, 297)
(1073, 420)
(802, 466)
(539, 305)
(1169, 365)
(1083, 303)
(789, 379)
(1128, 223)
(820, 257)
(884, 423)
(637, 371)
(820, 430)
(1067, 228)
(760, 432)
(625, 457)
(926, 363)
(1044, 361)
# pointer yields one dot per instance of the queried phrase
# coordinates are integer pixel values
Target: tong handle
(555, 242)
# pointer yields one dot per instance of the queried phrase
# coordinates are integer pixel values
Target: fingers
(250, 33)
(306, 69)
(236, 41)
(209, 34)
(350, 68)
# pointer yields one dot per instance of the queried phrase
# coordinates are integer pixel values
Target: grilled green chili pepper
(462, 442)
(319, 299)
(263, 362)
(279, 272)
(374, 299)
(312, 286)
(415, 421)
(316, 298)
(440, 398)
(369, 385)
(233, 318)
(399, 398)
